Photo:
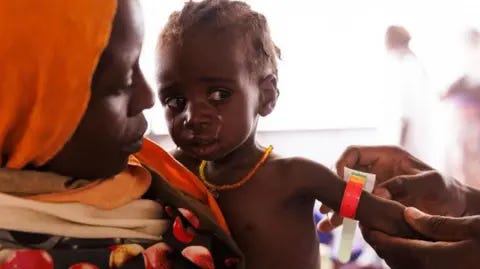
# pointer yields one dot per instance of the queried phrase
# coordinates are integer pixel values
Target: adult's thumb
(440, 228)
(395, 188)
(407, 188)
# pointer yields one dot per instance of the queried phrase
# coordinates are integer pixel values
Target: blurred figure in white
(463, 99)
(406, 101)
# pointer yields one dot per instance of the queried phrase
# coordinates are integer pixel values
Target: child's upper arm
(317, 180)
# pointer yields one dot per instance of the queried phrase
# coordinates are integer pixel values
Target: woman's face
(113, 125)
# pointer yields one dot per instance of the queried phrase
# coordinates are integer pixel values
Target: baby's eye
(176, 102)
(219, 94)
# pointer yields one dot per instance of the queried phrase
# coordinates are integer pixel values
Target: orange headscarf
(48, 53)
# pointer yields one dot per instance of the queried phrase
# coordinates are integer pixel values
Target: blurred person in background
(463, 100)
(406, 102)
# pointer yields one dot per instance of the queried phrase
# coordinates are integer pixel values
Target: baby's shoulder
(294, 166)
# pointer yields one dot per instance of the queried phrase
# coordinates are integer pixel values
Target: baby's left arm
(373, 212)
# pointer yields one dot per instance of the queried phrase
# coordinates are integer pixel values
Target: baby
(217, 75)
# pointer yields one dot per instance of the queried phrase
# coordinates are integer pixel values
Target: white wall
(323, 146)
(333, 53)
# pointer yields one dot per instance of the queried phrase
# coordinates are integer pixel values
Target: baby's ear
(268, 95)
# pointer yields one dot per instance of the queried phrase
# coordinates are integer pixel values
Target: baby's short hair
(231, 16)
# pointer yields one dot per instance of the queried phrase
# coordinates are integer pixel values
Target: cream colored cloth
(139, 219)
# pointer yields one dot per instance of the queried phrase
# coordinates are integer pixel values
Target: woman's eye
(124, 87)
(128, 81)
(177, 103)
(219, 94)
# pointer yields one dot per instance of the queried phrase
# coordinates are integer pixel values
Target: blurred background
(364, 72)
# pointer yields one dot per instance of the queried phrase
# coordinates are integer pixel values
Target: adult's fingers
(349, 158)
(397, 188)
(442, 228)
(411, 253)
(380, 160)
(413, 167)
(408, 188)
(363, 156)
(396, 251)
(384, 161)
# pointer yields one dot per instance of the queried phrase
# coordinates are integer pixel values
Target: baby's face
(210, 98)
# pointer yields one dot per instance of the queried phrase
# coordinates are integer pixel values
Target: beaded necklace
(215, 189)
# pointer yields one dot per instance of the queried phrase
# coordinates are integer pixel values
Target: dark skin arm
(374, 212)
(403, 178)
(454, 242)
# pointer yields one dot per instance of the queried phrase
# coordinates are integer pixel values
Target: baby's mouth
(204, 148)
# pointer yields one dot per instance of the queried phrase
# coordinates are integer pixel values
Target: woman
(72, 195)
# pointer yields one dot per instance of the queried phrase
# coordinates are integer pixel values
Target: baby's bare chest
(255, 212)
(273, 231)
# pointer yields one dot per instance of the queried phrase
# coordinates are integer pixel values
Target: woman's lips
(133, 147)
